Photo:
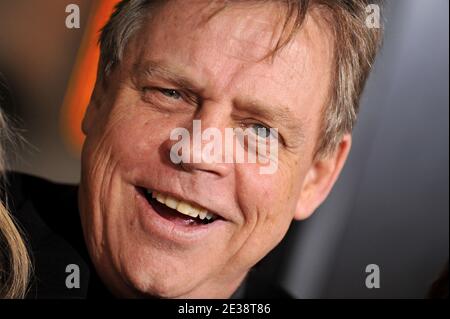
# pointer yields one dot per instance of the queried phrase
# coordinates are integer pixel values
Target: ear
(320, 178)
(92, 111)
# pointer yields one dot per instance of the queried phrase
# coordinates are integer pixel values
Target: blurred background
(390, 206)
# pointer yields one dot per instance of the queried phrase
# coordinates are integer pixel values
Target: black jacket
(48, 215)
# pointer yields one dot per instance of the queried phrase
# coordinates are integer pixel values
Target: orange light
(83, 76)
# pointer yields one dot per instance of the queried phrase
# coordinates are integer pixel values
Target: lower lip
(172, 230)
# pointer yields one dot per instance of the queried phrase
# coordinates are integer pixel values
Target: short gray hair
(126, 20)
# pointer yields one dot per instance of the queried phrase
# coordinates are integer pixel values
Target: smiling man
(193, 229)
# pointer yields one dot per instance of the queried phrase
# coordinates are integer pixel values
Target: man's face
(179, 67)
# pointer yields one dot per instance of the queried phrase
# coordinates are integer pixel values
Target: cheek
(136, 139)
(268, 203)
(268, 200)
(280, 188)
(112, 152)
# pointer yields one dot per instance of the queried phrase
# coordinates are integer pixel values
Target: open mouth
(177, 210)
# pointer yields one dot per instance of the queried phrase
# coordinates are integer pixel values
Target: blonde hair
(15, 266)
(14, 259)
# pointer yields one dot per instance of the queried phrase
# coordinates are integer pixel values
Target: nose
(200, 146)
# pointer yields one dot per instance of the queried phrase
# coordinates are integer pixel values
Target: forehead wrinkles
(252, 31)
(304, 65)
(222, 42)
(221, 47)
(310, 51)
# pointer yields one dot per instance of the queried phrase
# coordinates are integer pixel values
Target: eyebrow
(154, 69)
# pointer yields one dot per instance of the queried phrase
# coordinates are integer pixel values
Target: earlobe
(91, 111)
(303, 209)
(320, 179)
(86, 124)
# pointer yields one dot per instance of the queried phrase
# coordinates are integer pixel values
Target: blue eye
(173, 94)
(261, 130)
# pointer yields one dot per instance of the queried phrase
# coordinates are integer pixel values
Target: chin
(156, 276)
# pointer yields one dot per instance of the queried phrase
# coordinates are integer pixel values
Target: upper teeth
(182, 206)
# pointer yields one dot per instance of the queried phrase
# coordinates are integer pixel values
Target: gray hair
(127, 19)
